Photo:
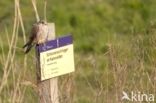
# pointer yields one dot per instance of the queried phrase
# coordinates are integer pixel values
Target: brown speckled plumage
(39, 34)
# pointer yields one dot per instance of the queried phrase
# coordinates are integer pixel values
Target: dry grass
(11, 89)
(13, 85)
(99, 78)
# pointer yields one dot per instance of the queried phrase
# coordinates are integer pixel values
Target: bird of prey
(39, 34)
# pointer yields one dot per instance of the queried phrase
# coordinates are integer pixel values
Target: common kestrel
(39, 35)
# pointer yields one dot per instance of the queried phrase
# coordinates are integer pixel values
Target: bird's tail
(28, 47)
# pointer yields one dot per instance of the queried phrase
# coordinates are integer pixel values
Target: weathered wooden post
(48, 89)
(54, 58)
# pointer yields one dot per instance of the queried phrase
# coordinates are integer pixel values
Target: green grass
(114, 45)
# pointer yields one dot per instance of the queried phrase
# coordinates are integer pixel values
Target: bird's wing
(34, 32)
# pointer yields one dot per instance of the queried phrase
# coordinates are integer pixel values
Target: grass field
(114, 46)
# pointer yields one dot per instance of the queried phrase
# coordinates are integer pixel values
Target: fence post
(48, 89)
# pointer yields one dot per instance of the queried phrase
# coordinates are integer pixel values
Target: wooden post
(48, 89)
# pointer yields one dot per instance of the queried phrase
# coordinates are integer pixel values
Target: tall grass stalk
(10, 66)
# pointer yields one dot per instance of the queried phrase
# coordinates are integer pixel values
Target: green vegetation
(114, 41)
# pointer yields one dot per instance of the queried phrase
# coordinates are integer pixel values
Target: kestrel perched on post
(39, 35)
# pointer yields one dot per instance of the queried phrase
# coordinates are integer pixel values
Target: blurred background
(114, 46)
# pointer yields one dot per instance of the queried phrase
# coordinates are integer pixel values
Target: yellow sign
(56, 62)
